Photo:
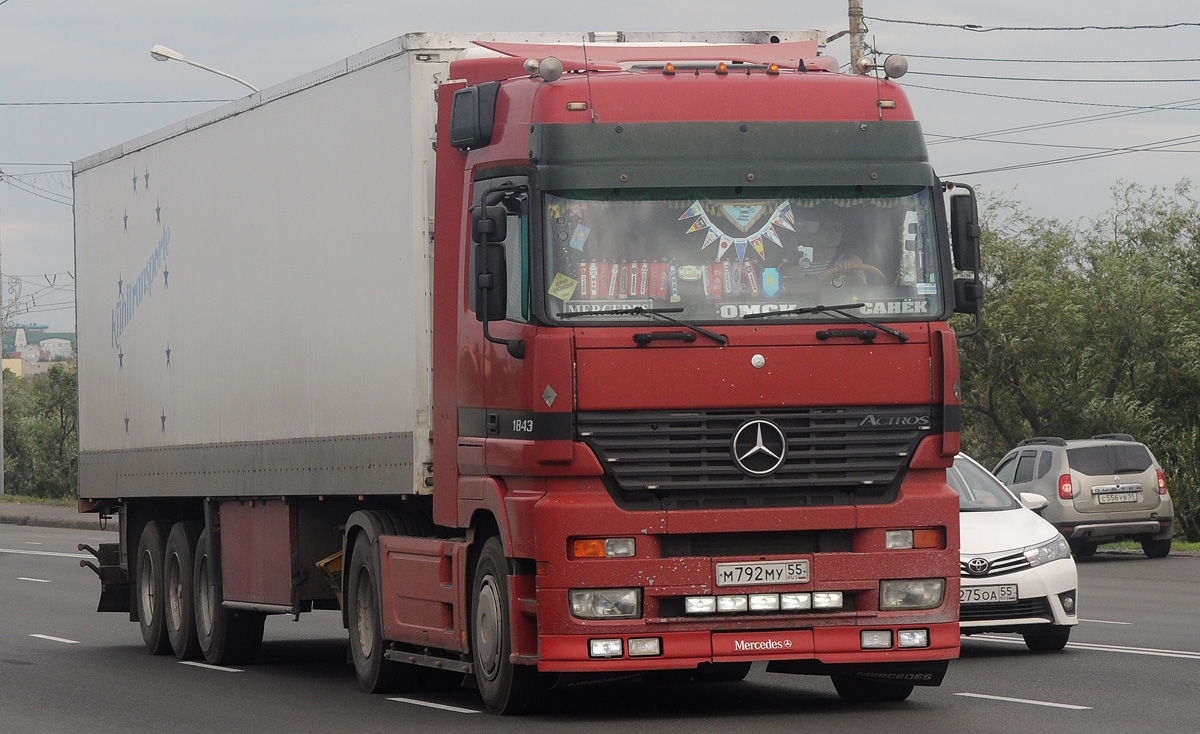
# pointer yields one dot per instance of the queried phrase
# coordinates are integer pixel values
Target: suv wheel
(1156, 548)
(1084, 548)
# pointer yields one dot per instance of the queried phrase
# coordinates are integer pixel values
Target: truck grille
(832, 453)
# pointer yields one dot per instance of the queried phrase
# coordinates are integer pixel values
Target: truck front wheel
(506, 688)
(151, 615)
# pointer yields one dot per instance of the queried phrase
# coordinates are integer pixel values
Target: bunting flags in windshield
(744, 218)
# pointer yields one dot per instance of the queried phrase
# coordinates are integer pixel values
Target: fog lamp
(1068, 601)
(876, 639)
(734, 603)
(764, 602)
(794, 602)
(604, 648)
(699, 605)
(912, 638)
(645, 647)
(827, 600)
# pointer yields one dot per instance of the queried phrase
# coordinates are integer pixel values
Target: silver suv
(1105, 488)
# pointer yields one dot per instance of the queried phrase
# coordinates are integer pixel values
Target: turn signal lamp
(920, 538)
(1066, 490)
(603, 548)
(1162, 483)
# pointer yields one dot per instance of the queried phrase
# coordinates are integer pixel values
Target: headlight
(1052, 550)
(606, 603)
(897, 594)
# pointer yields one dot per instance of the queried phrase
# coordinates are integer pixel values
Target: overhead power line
(1126, 62)
(1045, 79)
(975, 28)
(1143, 148)
(107, 102)
(1049, 101)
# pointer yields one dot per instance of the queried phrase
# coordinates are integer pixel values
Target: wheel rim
(364, 604)
(204, 599)
(174, 592)
(146, 587)
(488, 627)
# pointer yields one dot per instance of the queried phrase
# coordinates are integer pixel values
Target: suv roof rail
(1043, 440)
(1114, 437)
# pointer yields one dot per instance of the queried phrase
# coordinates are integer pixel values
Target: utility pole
(857, 31)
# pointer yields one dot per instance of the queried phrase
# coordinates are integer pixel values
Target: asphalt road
(1131, 666)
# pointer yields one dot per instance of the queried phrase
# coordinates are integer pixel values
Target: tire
(1051, 640)
(1083, 548)
(721, 672)
(225, 636)
(179, 611)
(149, 589)
(1156, 548)
(855, 690)
(506, 688)
(375, 673)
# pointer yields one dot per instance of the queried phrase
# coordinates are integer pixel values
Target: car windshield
(720, 255)
(978, 491)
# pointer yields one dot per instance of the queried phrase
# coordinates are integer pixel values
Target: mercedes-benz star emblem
(978, 566)
(759, 447)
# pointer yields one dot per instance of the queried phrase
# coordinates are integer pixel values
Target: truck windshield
(720, 255)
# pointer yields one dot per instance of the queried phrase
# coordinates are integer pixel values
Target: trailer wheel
(856, 690)
(506, 688)
(151, 616)
(179, 611)
(376, 674)
(225, 636)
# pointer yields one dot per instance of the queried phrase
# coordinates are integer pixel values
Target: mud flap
(916, 673)
(114, 580)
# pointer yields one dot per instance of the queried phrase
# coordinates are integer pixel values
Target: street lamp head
(162, 53)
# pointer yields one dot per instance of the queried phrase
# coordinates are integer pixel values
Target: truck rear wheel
(856, 690)
(151, 615)
(225, 636)
(506, 688)
(376, 674)
(180, 612)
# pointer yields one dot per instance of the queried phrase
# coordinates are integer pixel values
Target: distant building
(32, 346)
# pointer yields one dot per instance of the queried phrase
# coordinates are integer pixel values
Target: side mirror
(964, 232)
(968, 296)
(491, 281)
(1034, 502)
(489, 224)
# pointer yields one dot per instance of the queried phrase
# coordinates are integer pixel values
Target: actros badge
(759, 447)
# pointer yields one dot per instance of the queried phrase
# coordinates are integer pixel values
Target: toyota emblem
(759, 447)
(978, 566)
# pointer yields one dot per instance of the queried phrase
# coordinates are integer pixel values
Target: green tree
(1093, 330)
(41, 436)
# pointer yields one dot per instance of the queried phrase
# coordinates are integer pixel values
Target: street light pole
(162, 53)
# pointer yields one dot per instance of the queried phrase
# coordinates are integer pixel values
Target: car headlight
(606, 603)
(897, 594)
(1052, 550)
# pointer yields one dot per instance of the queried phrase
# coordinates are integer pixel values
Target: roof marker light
(773, 70)
(669, 69)
(722, 68)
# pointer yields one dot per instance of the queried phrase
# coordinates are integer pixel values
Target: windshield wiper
(843, 309)
(658, 313)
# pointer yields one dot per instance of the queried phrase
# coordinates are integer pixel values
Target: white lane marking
(431, 705)
(1029, 701)
(56, 639)
(1151, 651)
(26, 578)
(44, 553)
(33, 542)
(1102, 621)
(206, 666)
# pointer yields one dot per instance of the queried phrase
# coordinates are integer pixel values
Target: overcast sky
(83, 51)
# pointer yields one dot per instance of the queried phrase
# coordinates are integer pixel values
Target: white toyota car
(1017, 571)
